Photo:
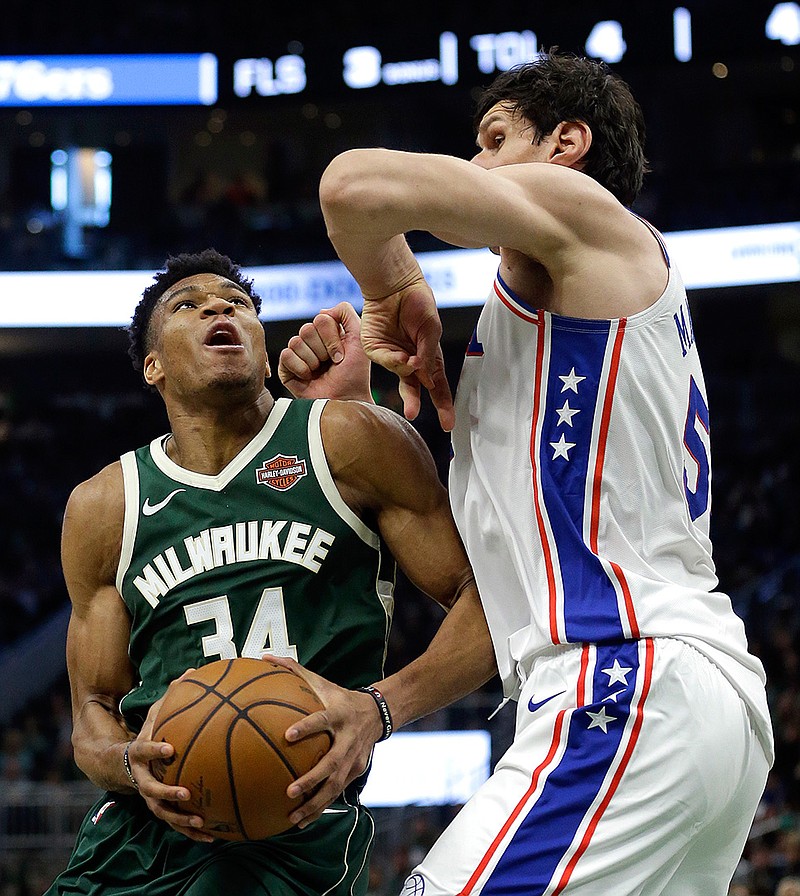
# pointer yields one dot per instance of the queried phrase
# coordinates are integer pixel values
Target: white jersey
(580, 483)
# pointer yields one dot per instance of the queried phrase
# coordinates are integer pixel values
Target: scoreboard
(282, 59)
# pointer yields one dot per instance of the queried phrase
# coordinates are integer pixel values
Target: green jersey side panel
(263, 557)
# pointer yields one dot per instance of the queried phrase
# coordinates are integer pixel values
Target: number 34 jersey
(264, 557)
(580, 483)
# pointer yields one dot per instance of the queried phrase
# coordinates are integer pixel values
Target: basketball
(226, 722)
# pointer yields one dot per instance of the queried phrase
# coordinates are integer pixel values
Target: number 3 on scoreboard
(268, 632)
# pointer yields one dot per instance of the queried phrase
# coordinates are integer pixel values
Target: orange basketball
(226, 722)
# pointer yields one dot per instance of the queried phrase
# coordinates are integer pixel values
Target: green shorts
(124, 850)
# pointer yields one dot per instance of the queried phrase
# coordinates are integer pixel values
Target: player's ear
(152, 370)
(570, 143)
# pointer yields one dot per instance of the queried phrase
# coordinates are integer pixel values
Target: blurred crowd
(63, 417)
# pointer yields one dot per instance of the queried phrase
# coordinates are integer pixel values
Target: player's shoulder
(372, 441)
(99, 501)
(93, 525)
(372, 425)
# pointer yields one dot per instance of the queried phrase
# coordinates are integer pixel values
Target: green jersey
(265, 556)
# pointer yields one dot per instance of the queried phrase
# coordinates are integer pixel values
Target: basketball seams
(209, 689)
(238, 692)
(243, 716)
(206, 689)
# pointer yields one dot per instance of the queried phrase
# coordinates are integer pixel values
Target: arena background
(720, 87)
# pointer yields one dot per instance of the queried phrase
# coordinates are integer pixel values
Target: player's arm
(99, 669)
(550, 214)
(414, 518)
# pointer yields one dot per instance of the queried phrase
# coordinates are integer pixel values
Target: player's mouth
(223, 335)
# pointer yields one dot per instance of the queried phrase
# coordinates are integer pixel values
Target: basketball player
(580, 484)
(255, 525)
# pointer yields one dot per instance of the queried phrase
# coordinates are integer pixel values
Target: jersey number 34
(268, 632)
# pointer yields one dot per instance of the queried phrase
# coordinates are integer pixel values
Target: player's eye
(184, 303)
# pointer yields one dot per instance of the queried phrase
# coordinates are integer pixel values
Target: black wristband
(127, 763)
(383, 709)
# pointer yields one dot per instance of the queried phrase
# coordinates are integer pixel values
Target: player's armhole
(130, 486)
(326, 481)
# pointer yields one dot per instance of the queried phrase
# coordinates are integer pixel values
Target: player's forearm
(365, 215)
(98, 739)
(459, 659)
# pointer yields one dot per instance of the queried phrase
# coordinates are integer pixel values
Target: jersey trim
(219, 481)
(326, 482)
(130, 480)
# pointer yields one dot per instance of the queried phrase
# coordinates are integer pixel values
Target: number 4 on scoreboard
(268, 631)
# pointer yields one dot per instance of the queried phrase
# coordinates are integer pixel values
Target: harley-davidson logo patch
(281, 472)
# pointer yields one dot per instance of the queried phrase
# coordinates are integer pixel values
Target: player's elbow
(84, 756)
(350, 187)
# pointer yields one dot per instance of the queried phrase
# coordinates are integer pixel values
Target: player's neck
(207, 441)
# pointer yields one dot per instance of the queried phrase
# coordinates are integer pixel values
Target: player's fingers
(317, 682)
(151, 788)
(329, 328)
(292, 368)
(146, 751)
(318, 791)
(314, 723)
(313, 808)
(410, 394)
(429, 366)
(168, 812)
(394, 360)
(347, 316)
(309, 346)
(438, 387)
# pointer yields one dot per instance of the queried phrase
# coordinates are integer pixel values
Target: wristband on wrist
(383, 709)
(126, 761)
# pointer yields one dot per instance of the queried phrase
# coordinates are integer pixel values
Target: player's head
(177, 268)
(559, 88)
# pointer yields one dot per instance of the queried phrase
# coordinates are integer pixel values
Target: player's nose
(217, 305)
(479, 159)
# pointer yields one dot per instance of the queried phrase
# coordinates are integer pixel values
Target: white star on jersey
(566, 413)
(561, 448)
(571, 381)
(617, 673)
(600, 719)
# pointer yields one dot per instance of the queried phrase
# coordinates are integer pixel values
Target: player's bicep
(97, 648)
(428, 549)
(99, 629)
(415, 519)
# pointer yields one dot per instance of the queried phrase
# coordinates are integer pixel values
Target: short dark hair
(177, 268)
(560, 87)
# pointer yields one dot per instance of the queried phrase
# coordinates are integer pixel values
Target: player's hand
(326, 358)
(162, 800)
(402, 333)
(352, 720)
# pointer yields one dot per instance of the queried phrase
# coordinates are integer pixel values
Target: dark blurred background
(241, 174)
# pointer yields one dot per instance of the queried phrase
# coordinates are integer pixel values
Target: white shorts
(634, 770)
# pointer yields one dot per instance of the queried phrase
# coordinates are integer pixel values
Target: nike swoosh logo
(149, 509)
(534, 706)
(335, 811)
